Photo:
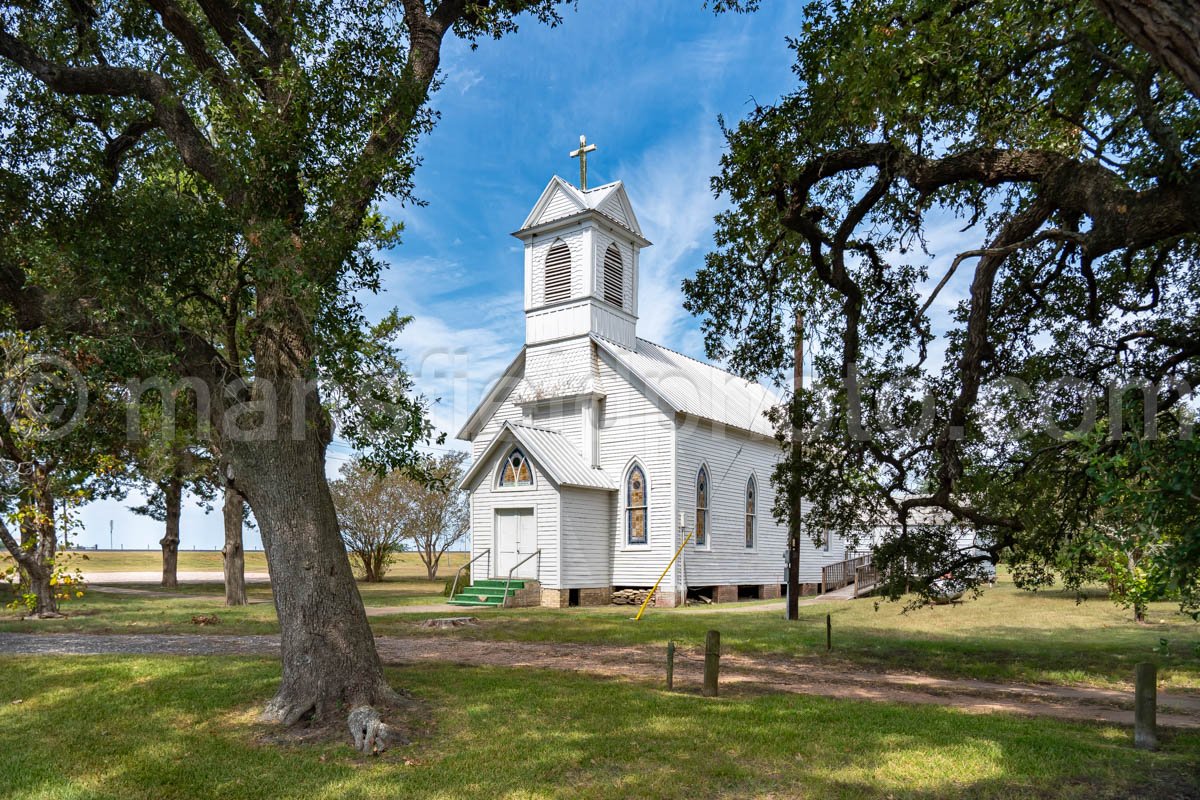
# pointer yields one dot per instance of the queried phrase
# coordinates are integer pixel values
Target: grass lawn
(406, 565)
(158, 727)
(393, 591)
(1007, 634)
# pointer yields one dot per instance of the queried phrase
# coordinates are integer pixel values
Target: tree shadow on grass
(169, 727)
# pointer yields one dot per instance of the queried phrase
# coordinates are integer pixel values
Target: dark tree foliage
(1072, 158)
(202, 178)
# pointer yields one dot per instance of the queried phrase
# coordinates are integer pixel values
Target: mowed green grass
(160, 728)
(406, 565)
(1007, 634)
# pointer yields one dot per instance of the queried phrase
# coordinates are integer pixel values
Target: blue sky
(646, 82)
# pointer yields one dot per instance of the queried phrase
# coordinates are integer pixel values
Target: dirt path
(740, 674)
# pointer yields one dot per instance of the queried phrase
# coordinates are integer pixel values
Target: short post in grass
(828, 631)
(670, 666)
(1145, 707)
(712, 663)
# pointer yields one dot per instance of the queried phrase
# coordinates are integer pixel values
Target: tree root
(371, 734)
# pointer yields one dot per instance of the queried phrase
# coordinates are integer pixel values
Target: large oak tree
(1069, 153)
(279, 125)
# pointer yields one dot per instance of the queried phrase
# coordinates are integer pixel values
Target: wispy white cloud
(669, 190)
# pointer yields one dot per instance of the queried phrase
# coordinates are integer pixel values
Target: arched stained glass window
(558, 272)
(614, 276)
(751, 501)
(636, 505)
(516, 471)
(702, 508)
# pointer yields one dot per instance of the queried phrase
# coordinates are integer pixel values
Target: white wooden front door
(516, 538)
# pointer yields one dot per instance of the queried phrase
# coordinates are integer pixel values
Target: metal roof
(583, 201)
(558, 373)
(550, 451)
(695, 388)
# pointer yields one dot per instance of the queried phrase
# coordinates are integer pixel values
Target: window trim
(504, 462)
(750, 510)
(626, 508)
(707, 508)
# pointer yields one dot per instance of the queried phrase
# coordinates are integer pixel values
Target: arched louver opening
(614, 276)
(558, 273)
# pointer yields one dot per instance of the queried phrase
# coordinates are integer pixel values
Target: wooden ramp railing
(865, 578)
(835, 576)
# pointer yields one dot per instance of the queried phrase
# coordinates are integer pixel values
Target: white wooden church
(597, 453)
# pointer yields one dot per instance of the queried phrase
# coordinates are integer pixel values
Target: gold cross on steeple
(581, 154)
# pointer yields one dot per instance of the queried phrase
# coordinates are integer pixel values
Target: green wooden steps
(488, 592)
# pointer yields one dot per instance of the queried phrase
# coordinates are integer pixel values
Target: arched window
(702, 508)
(636, 503)
(751, 500)
(516, 470)
(558, 272)
(614, 276)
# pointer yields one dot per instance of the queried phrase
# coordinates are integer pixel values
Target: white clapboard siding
(612, 207)
(561, 416)
(731, 456)
(633, 426)
(586, 540)
(542, 497)
(560, 205)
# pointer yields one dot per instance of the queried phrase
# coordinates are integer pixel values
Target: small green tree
(373, 511)
(56, 451)
(441, 512)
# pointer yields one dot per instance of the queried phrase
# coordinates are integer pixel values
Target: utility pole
(796, 511)
(110, 536)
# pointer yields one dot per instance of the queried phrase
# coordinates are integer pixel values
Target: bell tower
(581, 262)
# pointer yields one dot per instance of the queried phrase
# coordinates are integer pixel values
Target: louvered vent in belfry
(558, 273)
(614, 278)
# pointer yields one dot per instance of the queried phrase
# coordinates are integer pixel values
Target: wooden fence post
(1145, 707)
(670, 666)
(712, 663)
(828, 632)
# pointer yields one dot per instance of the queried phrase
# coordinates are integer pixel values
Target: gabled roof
(560, 200)
(494, 397)
(694, 388)
(558, 373)
(550, 451)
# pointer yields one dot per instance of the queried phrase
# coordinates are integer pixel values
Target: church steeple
(581, 262)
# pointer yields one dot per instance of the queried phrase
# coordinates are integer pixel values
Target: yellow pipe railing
(650, 596)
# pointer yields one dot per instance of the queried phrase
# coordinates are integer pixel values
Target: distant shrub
(464, 580)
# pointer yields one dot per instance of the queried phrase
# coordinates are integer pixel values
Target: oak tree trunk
(328, 650)
(232, 555)
(173, 502)
(36, 550)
